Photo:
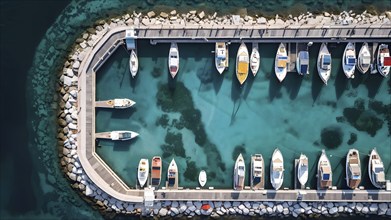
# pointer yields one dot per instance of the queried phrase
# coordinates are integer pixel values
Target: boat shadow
(316, 87)
(373, 83)
(248, 84)
(217, 81)
(341, 83)
(292, 83)
(274, 88)
(236, 96)
(123, 113)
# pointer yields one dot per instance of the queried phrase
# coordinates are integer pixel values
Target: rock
(382, 209)
(359, 207)
(247, 204)
(163, 212)
(304, 205)
(174, 211)
(151, 14)
(388, 14)
(163, 15)
(285, 211)
(279, 208)
(201, 15)
(145, 21)
(333, 210)
(388, 213)
(330, 205)
(72, 126)
(72, 176)
(365, 210)
(245, 211)
(373, 208)
(193, 12)
(173, 12)
(232, 211)
(326, 14)
(192, 208)
(269, 210)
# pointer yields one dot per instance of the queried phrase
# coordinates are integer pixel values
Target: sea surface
(201, 119)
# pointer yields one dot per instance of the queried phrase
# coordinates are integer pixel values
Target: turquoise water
(256, 118)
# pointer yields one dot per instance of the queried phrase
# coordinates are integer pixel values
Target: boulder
(182, 208)
(174, 211)
(193, 12)
(279, 208)
(173, 12)
(67, 81)
(163, 15)
(304, 205)
(151, 14)
(326, 14)
(365, 210)
(201, 15)
(382, 209)
(247, 204)
(192, 208)
(245, 211)
(333, 210)
(359, 207)
(163, 212)
(373, 208)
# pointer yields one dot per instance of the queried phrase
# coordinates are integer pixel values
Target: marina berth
(257, 179)
(376, 170)
(117, 135)
(156, 171)
(302, 169)
(325, 174)
(324, 63)
(302, 63)
(277, 169)
(239, 173)
(133, 63)
(221, 56)
(353, 169)
(242, 62)
(254, 59)
(383, 60)
(142, 172)
(172, 175)
(349, 60)
(280, 63)
(364, 59)
(202, 178)
(115, 103)
(173, 60)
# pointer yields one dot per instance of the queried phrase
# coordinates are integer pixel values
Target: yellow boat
(242, 64)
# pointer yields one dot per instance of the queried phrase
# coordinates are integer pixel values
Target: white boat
(257, 171)
(302, 63)
(254, 59)
(173, 60)
(242, 62)
(353, 169)
(115, 103)
(143, 171)
(156, 171)
(325, 174)
(280, 63)
(221, 56)
(239, 173)
(117, 135)
(133, 63)
(364, 59)
(349, 60)
(302, 169)
(383, 60)
(376, 170)
(172, 174)
(202, 178)
(324, 63)
(277, 169)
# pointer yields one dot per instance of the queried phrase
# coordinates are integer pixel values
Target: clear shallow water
(257, 118)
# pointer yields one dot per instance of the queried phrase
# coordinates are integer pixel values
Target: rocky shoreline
(68, 129)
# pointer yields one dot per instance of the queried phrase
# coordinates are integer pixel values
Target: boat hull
(277, 169)
(298, 64)
(383, 70)
(143, 171)
(324, 74)
(352, 159)
(370, 169)
(133, 63)
(242, 64)
(257, 172)
(254, 59)
(172, 175)
(202, 178)
(302, 170)
(173, 60)
(221, 63)
(117, 135)
(156, 171)
(239, 173)
(324, 162)
(364, 51)
(280, 71)
(350, 50)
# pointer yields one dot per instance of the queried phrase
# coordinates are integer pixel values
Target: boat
(172, 174)
(383, 60)
(221, 56)
(302, 62)
(376, 170)
(239, 173)
(173, 60)
(156, 171)
(277, 169)
(133, 63)
(202, 178)
(280, 63)
(302, 169)
(115, 103)
(349, 60)
(117, 135)
(242, 64)
(254, 59)
(364, 59)
(143, 170)
(325, 174)
(324, 63)
(257, 172)
(353, 169)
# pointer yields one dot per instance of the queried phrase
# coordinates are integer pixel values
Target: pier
(107, 180)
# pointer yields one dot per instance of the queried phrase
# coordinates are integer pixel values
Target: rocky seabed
(68, 116)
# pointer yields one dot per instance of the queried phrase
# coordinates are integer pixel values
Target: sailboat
(325, 174)
(172, 174)
(303, 63)
(173, 60)
(324, 63)
(302, 169)
(242, 64)
(156, 171)
(280, 63)
(383, 60)
(202, 178)
(133, 63)
(353, 169)
(277, 169)
(376, 170)
(349, 60)
(257, 171)
(364, 59)
(254, 59)
(239, 173)
(143, 170)
(221, 56)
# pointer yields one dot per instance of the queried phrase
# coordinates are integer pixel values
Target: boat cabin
(326, 61)
(355, 172)
(350, 60)
(282, 61)
(387, 61)
(325, 173)
(119, 136)
(304, 60)
(366, 60)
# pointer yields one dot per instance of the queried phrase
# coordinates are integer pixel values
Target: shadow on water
(217, 81)
(236, 96)
(316, 87)
(292, 83)
(123, 113)
(248, 84)
(274, 88)
(340, 83)
(373, 82)
(123, 145)
(358, 79)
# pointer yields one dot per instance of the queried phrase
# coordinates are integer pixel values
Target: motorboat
(142, 172)
(172, 174)
(254, 59)
(325, 174)
(277, 169)
(221, 56)
(280, 63)
(242, 62)
(324, 63)
(349, 60)
(173, 60)
(239, 173)
(383, 60)
(376, 170)
(156, 171)
(202, 178)
(257, 172)
(353, 169)
(117, 135)
(364, 59)
(302, 169)
(115, 103)
(133, 63)
(302, 63)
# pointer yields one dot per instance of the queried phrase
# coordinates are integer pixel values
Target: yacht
(254, 59)
(202, 178)
(302, 169)
(173, 60)
(302, 62)
(115, 103)
(242, 64)
(364, 59)
(239, 173)
(257, 171)
(143, 170)
(324, 63)
(353, 169)
(325, 174)
(172, 174)
(349, 60)
(383, 60)
(376, 170)
(277, 169)
(117, 135)
(280, 63)
(133, 63)
(156, 171)
(221, 56)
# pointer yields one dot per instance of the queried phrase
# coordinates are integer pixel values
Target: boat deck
(103, 135)
(297, 184)
(104, 104)
(175, 186)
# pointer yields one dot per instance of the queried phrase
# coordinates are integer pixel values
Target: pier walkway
(107, 180)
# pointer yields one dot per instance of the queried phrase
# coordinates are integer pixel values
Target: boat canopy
(351, 60)
(130, 39)
(241, 170)
(326, 61)
(380, 177)
(220, 53)
(366, 59)
(387, 61)
(243, 64)
(326, 176)
(281, 61)
(355, 169)
(304, 57)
